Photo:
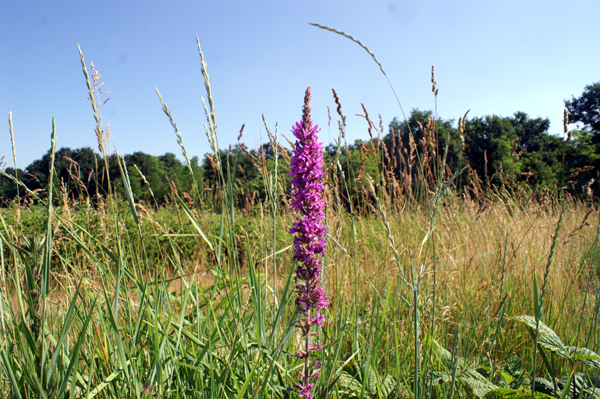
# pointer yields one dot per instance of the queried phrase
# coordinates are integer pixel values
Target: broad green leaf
(477, 383)
(507, 393)
(388, 386)
(544, 386)
(348, 383)
(547, 338)
(584, 355)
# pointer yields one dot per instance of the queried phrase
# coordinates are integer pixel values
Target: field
(433, 292)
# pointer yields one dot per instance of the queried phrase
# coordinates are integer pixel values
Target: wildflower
(305, 390)
(309, 240)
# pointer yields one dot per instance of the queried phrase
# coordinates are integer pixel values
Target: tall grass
(196, 298)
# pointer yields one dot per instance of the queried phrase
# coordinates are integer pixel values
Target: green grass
(149, 305)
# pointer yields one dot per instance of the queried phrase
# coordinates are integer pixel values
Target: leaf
(578, 382)
(544, 386)
(478, 384)
(507, 393)
(446, 355)
(388, 386)
(514, 365)
(244, 388)
(550, 341)
(438, 377)
(74, 363)
(566, 385)
(547, 338)
(128, 191)
(371, 381)
(11, 375)
(193, 221)
(348, 383)
(352, 378)
(107, 381)
(592, 393)
(584, 355)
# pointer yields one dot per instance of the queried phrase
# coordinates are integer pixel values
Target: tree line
(496, 150)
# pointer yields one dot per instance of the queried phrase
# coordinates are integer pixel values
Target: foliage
(81, 172)
(585, 109)
(498, 149)
(512, 381)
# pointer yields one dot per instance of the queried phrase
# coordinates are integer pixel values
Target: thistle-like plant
(309, 241)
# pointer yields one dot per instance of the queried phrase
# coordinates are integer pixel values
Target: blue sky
(490, 57)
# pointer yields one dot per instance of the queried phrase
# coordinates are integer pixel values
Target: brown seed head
(99, 137)
(173, 186)
(369, 121)
(338, 103)
(241, 131)
(213, 165)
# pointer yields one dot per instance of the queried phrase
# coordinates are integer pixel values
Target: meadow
(490, 291)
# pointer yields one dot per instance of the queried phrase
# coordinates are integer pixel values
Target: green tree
(488, 144)
(86, 170)
(540, 153)
(585, 109)
(8, 188)
(405, 151)
(238, 166)
(583, 151)
(582, 159)
(153, 171)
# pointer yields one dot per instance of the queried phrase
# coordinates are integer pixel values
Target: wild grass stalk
(364, 47)
(177, 132)
(14, 152)
(271, 183)
(539, 305)
(420, 164)
(342, 199)
(94, 96)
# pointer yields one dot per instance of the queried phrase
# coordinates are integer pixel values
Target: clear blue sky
(492, 57)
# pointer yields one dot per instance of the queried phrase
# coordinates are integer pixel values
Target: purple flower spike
(305, 390)
(309, 241)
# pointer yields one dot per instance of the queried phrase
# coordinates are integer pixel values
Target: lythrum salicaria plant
(309, 241)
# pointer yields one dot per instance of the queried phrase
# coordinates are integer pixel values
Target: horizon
(261, 58)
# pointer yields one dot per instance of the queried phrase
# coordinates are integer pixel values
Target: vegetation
(496, 148)
(451, 272)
